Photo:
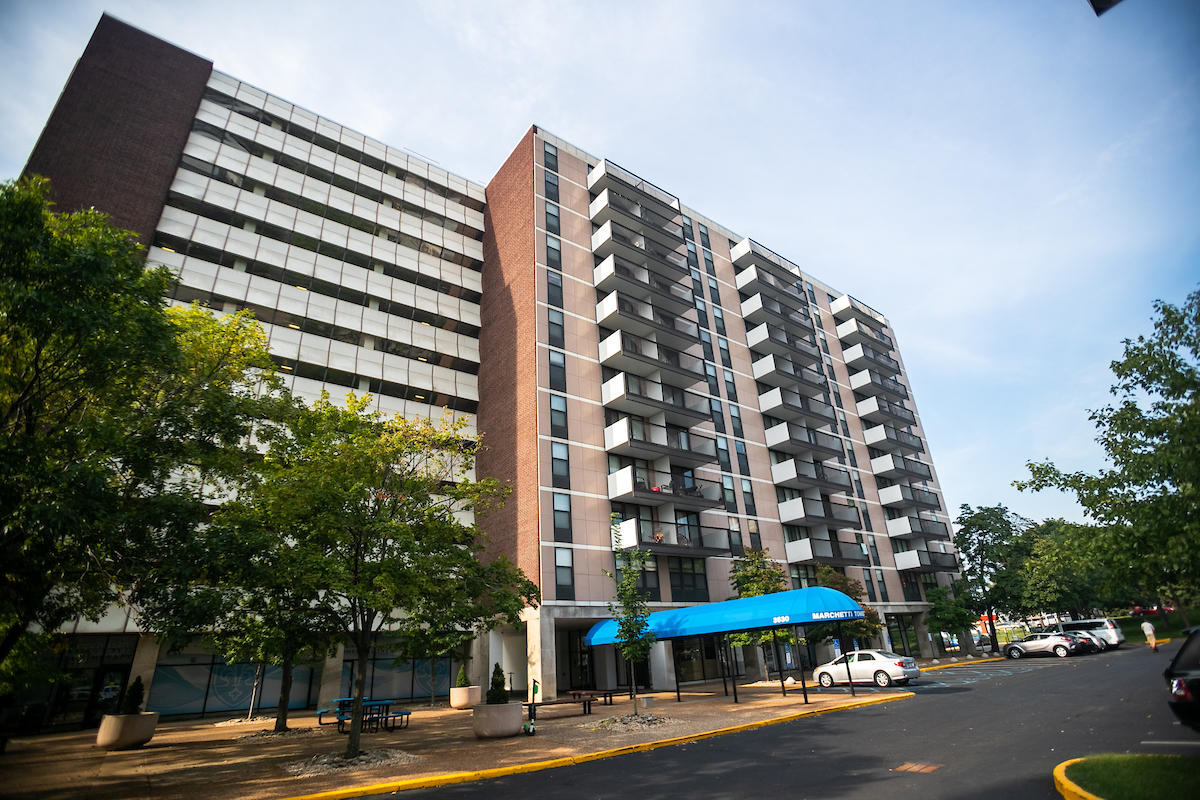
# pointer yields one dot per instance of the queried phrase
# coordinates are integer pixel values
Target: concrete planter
(496, 722)
(464, 696)
(126, 731)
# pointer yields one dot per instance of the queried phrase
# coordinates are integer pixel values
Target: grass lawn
(1169, 628)
(1137, 777)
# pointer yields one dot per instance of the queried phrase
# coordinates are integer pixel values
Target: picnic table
(377, 715)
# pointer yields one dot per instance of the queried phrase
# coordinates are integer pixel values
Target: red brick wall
(508, 372)
(115, 136)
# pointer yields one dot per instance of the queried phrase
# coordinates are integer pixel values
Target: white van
(1106, 629)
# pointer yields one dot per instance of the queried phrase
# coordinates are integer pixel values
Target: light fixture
(422, 358)
(293, 325)
(167, 249)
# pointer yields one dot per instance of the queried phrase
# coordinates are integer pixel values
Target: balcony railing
(645, 393)
(626, 352)
(652, 488)
(793, 438)
(607, 169)
(637, 438)
(619, 310)
(854, 331)
(788, 405)
(926, 561)
(846, 306)
(671, 537)
(871, 382)
(615, 273)
(823, 551)
(917, 527)
(769, 338)
(860, 357)
(877, 409)
(749, 277)
(902, 496)
(885, 437)
(779, 371)
(892, 464)
(638, 213)
(795, 472)
(638, 246)
(807, 511)
(748, 251)
(760, 308)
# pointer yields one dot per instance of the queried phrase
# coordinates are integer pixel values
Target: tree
(861, 629)
(1147, 503)
(754, 574)
(374, 510)
(116, 413)
(631, 611)
(949, 611)
(1062, 575)
(993, 544)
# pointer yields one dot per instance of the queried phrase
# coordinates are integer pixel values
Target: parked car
(1057, 644)
(869, 666)
(1183, 680)
(1092, 643)
(1107, 629)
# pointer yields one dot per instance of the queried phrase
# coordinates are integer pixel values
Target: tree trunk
(633, 685)
(433, 679)
(992, 628)
(354, 740)
(1182, 613)
(285, 695)
(254, 697)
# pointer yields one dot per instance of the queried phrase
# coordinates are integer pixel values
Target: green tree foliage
(754, 574)
(993, 545)
(1147, 503)
(1061, 575)
(861, 629)
(631, 611)
(949, 610)
(117, 414)
(371, 510)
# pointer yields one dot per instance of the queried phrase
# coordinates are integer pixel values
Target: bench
(374, 723)
(585, 702)
(605, 696)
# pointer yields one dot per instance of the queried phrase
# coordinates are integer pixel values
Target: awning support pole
(732, 667)
(847, 657)
(720, 661)
(675, 662)
(778, 663)
(800, 658)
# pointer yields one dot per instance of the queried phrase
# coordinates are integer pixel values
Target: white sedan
(869, 666)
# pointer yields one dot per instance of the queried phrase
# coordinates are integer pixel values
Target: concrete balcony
(770, 338)
(872, 383)
(646, 487)
(639, 249)
(860, 356)
(846, 308)
(788, 405)
(808, 511)
(889, 439)
(760, 308)
(615, 274)
(901, 496)
(879, 410)
(607, 175)
(755, 279)
(611, 205)
(637, 439)
(894, 466)
(854, 331)
(633, 354)
(926, 561)
(646, 398)
(778, 371)
(789, 437)
(830, 552)
(625, 313)
(917, 528)
(673, 539)
(799, 474)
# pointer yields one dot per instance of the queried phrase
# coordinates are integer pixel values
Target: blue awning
(780, 610)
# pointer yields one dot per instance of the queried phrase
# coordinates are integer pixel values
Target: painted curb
(1068, 789)
(963, 663)
(500, 772)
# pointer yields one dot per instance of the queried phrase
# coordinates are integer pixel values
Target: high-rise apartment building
(648, 376)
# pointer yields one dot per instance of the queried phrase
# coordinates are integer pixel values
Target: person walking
(1148, 629)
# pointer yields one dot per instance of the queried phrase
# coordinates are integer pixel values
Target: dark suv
(1183, 679)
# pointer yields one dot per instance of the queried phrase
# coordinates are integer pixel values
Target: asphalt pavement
(993, 730)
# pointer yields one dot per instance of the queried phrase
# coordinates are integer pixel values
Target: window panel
(557, 335)
(560, 465)
(562, 517)
(558, 416)
(558, 371)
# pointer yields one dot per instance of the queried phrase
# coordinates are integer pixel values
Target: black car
(1183, 679)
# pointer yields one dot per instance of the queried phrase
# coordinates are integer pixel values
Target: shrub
(131, 703)
(497, 694)
(462, 681)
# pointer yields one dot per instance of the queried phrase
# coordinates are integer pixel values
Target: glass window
(718, 320)
(714, 386)
(564, 574)
(708, 263)
(704, 236)
(553, 252)
(689, 583)
(730, 386)
(557, 335)
(560, 465)
(558, 371)
(735, 417)
(701, 313)
(552, 221)
(647, 582)
(755, 536)
(729, 494)
(869, 584)
(558, 416)
(562, 517)
(723, 346)
(551, 186)
(714, 293)
(551, 157)
(748, 498)
(691, 256)
(723, 454)
(687, 228)
(743, 461)
(554, 288)
(803, 576)
(717, 415)
(883, 592)
(706, 343)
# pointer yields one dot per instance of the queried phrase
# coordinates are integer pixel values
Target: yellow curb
(499, 772)
(1066, 787)
(963, 663)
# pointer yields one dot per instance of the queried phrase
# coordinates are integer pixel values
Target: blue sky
(1013, 184)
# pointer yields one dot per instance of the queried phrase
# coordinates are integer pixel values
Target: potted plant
(498, 717)
(463, 694)
(130, 727)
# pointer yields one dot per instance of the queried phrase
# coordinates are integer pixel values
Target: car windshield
(1188, 656)
(886, 654)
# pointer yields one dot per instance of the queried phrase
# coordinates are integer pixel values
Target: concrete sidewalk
(198, 758)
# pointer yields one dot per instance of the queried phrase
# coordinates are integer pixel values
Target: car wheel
(882, 679)
(1061, 651)
(1014, 652)
(826, 679)
(1103, 645)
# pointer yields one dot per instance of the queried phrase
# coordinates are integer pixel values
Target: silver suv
(1106, 629)
(1044, 644)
